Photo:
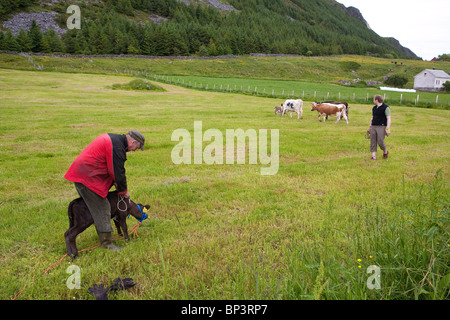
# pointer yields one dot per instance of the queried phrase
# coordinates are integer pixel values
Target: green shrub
(360, 84)
(350, 66)
(447, 86)
(137, 84)
(396, 81)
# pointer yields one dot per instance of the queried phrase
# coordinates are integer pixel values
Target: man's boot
(105, 239)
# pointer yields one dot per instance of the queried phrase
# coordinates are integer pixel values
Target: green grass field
(309, 78)
(223, 231)
(308, 91)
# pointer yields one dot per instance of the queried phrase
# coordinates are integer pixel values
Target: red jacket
(101, 164)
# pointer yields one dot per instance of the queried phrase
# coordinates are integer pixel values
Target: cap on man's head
(139, 137)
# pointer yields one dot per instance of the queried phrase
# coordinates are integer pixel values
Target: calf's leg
(119, 232)
(71, 245)
(123, 224)
(71, 235)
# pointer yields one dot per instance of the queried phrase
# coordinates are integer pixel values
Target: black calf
(80, 218)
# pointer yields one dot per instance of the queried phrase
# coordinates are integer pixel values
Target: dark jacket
(101, 164)
(379, 116)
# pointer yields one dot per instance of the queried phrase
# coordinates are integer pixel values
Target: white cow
(293, 105)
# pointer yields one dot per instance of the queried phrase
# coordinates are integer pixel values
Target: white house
(430, 80)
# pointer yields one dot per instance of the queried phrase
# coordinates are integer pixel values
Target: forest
(303, 27)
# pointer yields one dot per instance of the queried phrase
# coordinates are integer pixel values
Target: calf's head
(314, 106)
(139, 211)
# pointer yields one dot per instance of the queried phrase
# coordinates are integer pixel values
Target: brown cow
(329, 109)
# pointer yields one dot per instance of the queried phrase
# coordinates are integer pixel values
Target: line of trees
(10, 6)
(266, 26)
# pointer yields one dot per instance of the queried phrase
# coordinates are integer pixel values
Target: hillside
(192, 27)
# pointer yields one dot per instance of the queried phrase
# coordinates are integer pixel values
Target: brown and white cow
(336, 102)
(329, 109)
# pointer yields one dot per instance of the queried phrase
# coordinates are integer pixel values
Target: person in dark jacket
(98, 167)
(380, 126)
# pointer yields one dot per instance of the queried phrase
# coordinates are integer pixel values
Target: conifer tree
(162, 45)
(119, 42)
(2, 36)
(35, 36)
(124, 6)
(212, 49)
(51, 42)
(105, 44)
(146, 46)
(10, 42)
(24, 41)
(81, 46)
(45, 44)
(133, 45)
(69, 41)
(95, 39)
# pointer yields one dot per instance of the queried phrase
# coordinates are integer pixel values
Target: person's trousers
(99, 207)
(377, 135)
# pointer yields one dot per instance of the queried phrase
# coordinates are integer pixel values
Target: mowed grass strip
(223, 231)
(284, 89)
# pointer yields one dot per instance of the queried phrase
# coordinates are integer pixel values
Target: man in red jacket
(96, 169)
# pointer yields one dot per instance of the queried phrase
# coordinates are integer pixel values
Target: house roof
(436, 73)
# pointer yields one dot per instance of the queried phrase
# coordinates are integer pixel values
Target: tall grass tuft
(408, 240)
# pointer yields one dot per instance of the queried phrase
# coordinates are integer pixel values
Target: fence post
(437, 99)
(401, 98)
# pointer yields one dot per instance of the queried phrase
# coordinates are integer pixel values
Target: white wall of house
(428, 81)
